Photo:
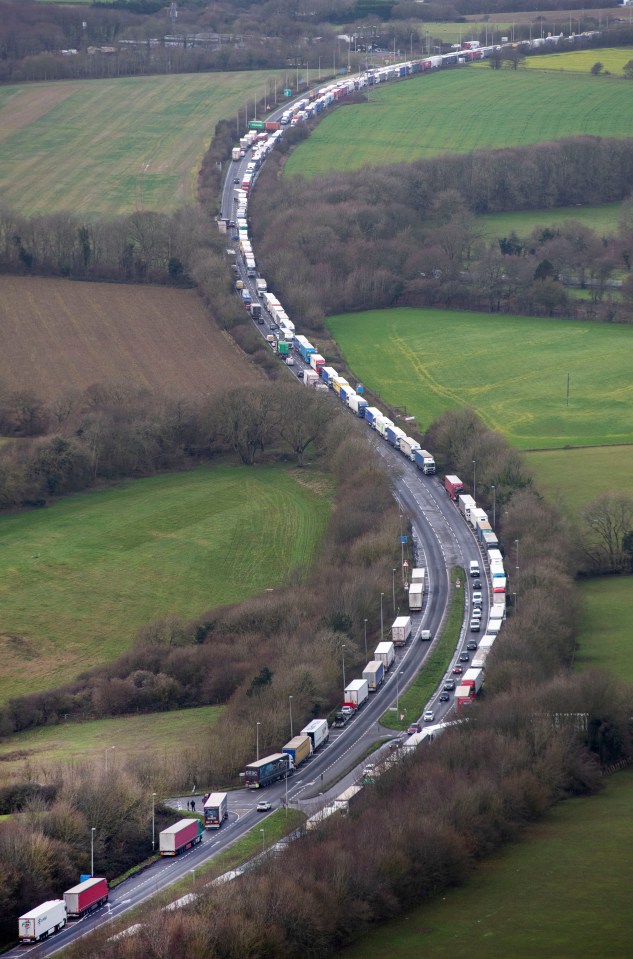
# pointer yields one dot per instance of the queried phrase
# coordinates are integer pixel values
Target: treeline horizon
(405, 234)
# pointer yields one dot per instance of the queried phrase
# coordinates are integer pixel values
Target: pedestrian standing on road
(193, 805)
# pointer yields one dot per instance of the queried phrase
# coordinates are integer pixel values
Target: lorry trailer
(182, 835)
(356, 693)
(86, 897)
(416, 592)
(386, 653)
(216, 810)
(374, 673)
(299, 749)
(318, 731)
(401, 630)
(425, 462)
(268, 770)
(43, 921)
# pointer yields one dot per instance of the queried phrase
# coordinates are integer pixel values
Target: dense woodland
(405, 234)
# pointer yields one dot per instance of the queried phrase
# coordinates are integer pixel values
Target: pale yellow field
(114, 146)
(613, 60)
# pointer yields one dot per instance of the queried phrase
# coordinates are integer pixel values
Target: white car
(476, 614)
(264, 806)
(429, 716)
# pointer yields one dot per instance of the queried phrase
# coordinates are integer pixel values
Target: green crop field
(613, 59)
(512, 369)
(463, 110)
(122, 737)
(113, 146)
(80, 577)
(573, 478)
(604, 641)
(562, 892)
(603, 219)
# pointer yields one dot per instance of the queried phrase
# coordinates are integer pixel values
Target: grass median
(413, 702)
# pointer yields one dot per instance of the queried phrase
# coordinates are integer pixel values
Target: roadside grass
(69, 145)
(160, 735)
(604, 639)
(573, 478)
(603, 219)
(80, 577)
(539, 898)
(512, 369)
(413, 702)
(407, 121)
(613, 60)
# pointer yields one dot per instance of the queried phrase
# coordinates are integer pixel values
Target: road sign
(404, 539)
(287, 93)
(406, 563)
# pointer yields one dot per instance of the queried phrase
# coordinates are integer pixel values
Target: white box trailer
(43, 921)
(416, 593)
(418, 574)
(386, 653)
(318, 731)
(401, 630)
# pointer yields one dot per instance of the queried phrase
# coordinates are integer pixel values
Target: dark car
(236, 180)
(232, 224)
(444, 696)
(464, 657)
(414, 728)
(449, 684)
(471, 644)
(457, 670)
(476, 584)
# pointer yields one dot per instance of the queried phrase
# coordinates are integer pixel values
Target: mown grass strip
(513, 369)
(407, 121)
(413, 702)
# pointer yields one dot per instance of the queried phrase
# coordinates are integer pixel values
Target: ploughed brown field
(59, 334)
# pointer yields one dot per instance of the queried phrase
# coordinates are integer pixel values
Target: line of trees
(106, 433)
(405, 235)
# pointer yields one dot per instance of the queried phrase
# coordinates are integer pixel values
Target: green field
(123, 738)
(573, 478)
(613, 59)
(563, 892)
(464, 110)
(605, 635)
(80, 577)
(511, 369)
(603, 219)
(113, 146)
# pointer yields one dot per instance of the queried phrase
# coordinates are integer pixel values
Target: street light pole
(153, 821)
(494, 506)
(257, 728)
(290, 701)
(382, 627)
(474, 479)
(93, 830)
(343, 655)
(393, 590)
(108, 748)
(365, 639)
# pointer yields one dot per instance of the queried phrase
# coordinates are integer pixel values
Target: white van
(474, 568)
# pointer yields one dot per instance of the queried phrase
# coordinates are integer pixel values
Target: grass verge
(79, 578)
(414, 700)
(433, 360)
(536, 899)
